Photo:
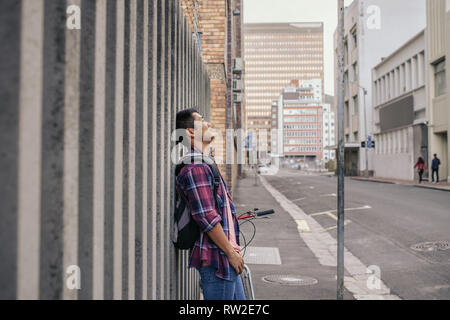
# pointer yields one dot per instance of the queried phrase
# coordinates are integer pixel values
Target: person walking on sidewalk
(216, 253)
(435, 168)
(421, 167)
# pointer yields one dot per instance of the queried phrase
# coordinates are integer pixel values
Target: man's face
(207, 134)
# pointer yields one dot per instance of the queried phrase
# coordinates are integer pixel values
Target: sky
(300, 11)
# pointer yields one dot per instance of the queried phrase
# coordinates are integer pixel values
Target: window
(440, 85)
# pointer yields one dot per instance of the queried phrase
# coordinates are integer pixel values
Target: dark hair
(420, 160)
(435, 155)
(185, 120)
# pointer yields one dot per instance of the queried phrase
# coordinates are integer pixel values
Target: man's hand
(236, 261)
(218, 237)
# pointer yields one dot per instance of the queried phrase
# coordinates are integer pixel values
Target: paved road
(385, 220)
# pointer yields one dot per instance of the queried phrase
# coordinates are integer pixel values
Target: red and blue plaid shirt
(196, 183)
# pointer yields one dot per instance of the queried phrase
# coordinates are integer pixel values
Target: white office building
(400, 111)
(373, 30)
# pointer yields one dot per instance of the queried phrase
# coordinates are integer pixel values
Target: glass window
(440, 85)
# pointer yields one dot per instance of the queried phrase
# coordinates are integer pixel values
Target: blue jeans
(215, 288)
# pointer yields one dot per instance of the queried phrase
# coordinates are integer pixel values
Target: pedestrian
(435, 168)
(216, 253)
(421, 167)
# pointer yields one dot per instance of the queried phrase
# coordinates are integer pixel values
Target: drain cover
(431, 246)
(290, 280)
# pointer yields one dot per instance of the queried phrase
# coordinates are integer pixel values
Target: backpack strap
(212, 165)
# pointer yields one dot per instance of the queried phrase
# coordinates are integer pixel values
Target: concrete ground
(383, 222)
(280, 231)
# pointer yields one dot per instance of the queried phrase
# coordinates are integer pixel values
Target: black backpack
(185, 230)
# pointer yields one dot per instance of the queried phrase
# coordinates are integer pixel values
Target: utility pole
(366, 137)
(340, 155)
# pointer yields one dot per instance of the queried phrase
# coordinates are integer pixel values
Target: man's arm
(203, 209)
(218, 236)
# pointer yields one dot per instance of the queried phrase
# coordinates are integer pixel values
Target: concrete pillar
(118, 151)
(99, 150)
(71, 154)
(420, 69)
(29, 152)
(110, 145)
(408, 75)
(153, 156)
(145, 143)
(414, 74)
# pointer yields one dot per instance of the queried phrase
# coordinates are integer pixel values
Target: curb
(433, 188)
(402, 184)
(376, 181)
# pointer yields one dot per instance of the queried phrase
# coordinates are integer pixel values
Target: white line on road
(298, 199)
(348, 209)
(324, 247)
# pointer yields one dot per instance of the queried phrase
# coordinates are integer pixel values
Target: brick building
(217, 26)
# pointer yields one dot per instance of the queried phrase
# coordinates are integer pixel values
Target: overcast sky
(300, 11)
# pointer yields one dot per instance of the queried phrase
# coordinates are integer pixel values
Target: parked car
(262, 169)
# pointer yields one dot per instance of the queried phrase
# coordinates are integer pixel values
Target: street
(383, 222)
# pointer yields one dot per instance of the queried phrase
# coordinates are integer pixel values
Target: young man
(216, 253)
(435, 168)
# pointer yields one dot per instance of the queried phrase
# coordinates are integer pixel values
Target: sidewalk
(280, 232)
(427, 185)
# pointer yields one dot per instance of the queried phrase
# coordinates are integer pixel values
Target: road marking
(324, 247)
(335, 227)
(332, 216)
(329, 195)
(302, 226)
(298, 199)
(348, 209)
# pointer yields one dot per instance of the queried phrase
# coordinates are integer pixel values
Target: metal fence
(86, 116)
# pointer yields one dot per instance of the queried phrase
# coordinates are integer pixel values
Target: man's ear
(190, 132)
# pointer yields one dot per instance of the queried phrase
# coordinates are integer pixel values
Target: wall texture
(85, 131)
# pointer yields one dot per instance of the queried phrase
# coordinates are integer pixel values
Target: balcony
(355, 123)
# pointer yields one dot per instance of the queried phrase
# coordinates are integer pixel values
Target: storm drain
(431, 246)
(290, 280)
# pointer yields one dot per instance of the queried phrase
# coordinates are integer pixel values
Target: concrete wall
(438, 47)
(85, 124)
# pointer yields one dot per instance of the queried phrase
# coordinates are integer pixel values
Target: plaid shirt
(196, 183)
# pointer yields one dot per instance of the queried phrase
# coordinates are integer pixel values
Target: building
(438, 50)
(373, 30)
(274, 55)
(217, 24)
(329, 133)
(298, 117)
(400, 104)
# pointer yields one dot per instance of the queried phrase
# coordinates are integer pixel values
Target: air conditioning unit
(237, 97)
(237, 65)
(237, 85)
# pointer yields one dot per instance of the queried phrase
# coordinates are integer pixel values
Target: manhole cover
(431, 246)
(290, 280)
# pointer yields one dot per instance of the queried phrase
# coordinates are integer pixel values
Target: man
(435, 168)
(216, 253)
